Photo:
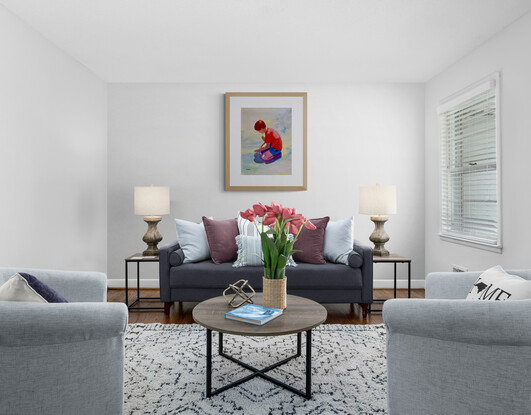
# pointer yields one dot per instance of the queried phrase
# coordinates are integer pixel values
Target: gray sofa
(326, 283)
(447, 355)
(63, 358)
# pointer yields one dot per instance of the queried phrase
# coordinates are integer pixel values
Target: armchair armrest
(37, 324)
(164, 269)
(366, 270)
(457, 285)
(489, 323)
(74, 286)
(62, 358)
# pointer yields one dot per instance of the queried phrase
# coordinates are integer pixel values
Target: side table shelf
(138, 258)
(393, 259)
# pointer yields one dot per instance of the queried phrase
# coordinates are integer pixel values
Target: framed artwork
(265, 141)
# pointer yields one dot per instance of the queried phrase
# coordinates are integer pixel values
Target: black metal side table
(394, 259)
(138, 258)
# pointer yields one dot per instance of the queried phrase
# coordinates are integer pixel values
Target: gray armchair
(65, 358)
(447, 355)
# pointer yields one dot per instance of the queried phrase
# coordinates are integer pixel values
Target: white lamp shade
(377, 200)
(152, 200)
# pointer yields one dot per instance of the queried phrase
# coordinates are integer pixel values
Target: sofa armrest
(74, 286)
(37, 324)
(463, 321)
(366, 270)
(164, 269)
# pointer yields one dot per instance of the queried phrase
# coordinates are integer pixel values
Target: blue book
(254, 314)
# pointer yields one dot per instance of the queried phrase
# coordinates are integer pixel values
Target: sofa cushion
(250, 252)
(339, 240)
(248, 228)
(206, 274)
(221, 235)
(311, 243)
(192, 239)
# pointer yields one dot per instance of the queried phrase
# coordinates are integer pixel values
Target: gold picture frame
(265, 141)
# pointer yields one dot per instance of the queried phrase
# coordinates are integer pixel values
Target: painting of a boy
(271, 148)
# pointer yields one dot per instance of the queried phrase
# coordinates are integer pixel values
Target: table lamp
(152, 202)
(378, 201)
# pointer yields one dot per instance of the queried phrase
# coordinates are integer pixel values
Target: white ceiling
(268, 40)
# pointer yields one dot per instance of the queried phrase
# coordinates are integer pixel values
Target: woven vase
(275, 293)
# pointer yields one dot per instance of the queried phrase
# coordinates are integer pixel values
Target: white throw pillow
(250, 252)
(192, 240)
(248, 228)
(339, 240)
(496, 285)
(17, 288)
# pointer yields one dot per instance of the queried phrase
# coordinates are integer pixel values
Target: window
(470, 185)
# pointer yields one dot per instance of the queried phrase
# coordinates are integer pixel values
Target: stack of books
(254, 314)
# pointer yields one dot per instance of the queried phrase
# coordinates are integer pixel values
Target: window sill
(486, 247)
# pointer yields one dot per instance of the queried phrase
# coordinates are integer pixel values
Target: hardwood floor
(337, 313)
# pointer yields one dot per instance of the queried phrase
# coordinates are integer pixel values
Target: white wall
(53, 155)
(173, 135)
(509, 53)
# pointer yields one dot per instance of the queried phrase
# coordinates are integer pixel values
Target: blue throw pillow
(339, 240)
(48, 293)
(192, 240)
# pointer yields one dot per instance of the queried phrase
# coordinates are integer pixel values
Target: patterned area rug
(165, 372)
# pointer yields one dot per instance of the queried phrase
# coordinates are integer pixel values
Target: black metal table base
(137, 301)
(138, 298)
(394, 291)
(260, 372)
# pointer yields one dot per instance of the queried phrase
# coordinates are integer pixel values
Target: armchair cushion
(25, 287)
(497, 285)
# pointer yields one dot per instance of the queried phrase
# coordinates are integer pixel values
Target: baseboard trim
(144, 283)
(153, 283)
(401, 283)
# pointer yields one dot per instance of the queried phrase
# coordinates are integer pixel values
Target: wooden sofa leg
(167, 308)
(365, 310)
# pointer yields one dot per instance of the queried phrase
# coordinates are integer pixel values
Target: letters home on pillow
(496, 285)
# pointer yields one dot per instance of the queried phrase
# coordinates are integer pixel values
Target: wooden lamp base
(152, 236)
(379, 236)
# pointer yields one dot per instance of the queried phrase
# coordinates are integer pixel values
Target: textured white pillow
(339, 240)
(17, 288)
(496, 285)
(250, 252)
(192, 240)
(248, 228)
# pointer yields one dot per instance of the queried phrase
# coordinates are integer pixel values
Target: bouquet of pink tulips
(276, 245)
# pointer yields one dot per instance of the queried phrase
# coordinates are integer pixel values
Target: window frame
(466, 95)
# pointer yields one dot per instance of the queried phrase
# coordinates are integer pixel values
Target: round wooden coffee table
(301, 315)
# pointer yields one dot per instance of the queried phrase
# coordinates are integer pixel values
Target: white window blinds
(468, 128)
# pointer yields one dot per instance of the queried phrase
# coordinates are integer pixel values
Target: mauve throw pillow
(221, 237)
(311, 243)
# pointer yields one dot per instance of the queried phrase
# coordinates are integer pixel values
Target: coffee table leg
(209, 364)
(299, 342)
(220, 344)
(308, 364)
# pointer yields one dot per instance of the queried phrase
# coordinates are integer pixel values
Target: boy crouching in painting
(271, 148)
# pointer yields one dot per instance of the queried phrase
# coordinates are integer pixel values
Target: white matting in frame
(284, 114)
